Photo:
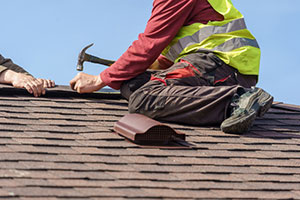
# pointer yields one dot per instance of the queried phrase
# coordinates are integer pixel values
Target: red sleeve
(167, 17)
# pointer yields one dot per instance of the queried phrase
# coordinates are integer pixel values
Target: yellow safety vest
(228, 39)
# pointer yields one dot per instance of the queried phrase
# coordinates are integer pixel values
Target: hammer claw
(82, 57)
(85, 48)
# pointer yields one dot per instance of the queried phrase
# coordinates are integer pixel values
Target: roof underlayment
(61, 146)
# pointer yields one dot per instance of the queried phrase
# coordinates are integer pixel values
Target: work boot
(246, 107)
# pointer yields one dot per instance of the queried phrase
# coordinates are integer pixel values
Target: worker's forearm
(7, 76)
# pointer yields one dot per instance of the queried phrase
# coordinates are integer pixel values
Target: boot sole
(242, 125)
(258, 104)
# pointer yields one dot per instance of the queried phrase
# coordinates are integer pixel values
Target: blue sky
(45, 36)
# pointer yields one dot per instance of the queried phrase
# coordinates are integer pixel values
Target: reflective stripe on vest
(229, 40)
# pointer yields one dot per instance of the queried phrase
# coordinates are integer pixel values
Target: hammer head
(82, 57)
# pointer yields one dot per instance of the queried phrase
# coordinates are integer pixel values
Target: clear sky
(45, 36)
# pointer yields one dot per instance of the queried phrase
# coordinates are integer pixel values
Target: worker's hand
(85, 83)
(18, 80)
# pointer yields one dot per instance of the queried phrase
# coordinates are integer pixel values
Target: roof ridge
(62, 91)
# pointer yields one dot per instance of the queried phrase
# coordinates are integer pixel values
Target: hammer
(82, 57)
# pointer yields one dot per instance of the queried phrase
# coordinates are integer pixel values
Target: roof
(61, 146)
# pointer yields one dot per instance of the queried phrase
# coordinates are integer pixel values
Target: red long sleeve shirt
(167, 17)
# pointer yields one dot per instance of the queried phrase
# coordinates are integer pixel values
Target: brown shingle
(61, 147)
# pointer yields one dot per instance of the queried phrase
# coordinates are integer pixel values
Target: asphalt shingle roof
(61, 146)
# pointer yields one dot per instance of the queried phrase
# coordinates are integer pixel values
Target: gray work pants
(197, 91)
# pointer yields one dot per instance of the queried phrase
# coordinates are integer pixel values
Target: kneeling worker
(210, 61)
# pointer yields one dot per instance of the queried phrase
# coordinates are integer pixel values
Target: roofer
(16, 76)
(210, 61)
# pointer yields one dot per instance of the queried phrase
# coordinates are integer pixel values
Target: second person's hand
(18, 80)
(47, 83)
